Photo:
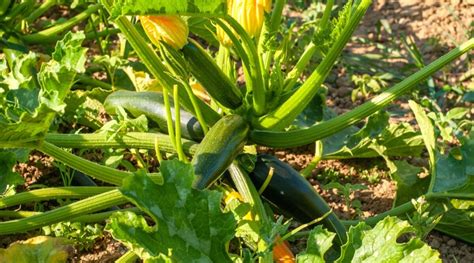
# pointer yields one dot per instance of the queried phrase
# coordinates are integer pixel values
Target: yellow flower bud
(249, 13)
(170, 29)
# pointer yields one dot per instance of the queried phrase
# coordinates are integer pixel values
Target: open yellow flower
(249, 13)
(170, 29)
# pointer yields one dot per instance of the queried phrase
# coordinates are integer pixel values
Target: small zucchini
(292, 193)
(211, 77)
(215, 153)
(151, 104)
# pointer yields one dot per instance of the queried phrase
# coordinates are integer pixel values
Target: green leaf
(37, 249)
(457, 113)
(455, 171)
(186, 7)
(409, 185)
(427, 131)
(458, 221)
(8, 178)
(380, 244)
(319, 242)
(20, 73)
(83, 107)
(393, 139)
(190, 226)
(23, 124)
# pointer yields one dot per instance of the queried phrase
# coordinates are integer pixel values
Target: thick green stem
(17, 214)
(139, 140)
(282, 116)
(197, 110)
(86, 219)
(330, 127)
(89, 35)
(177, 114)
(52, 193)
(372, 221)
(84, 79)
(254, 66)
(155, 66)
(326, 15)
(67, 212)
(104, 173)
(52, 32)
(128, 257)
(250, 195)
(45, 6)
(169, 117)
(300, 66)
(272, 30)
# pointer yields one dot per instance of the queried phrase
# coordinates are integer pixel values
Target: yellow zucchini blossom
(249, 13)
(171, 29)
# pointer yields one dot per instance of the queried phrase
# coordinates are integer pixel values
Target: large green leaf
(319, 242)
(190, 226)
(28, 112)
(187, 7)
(409, 185)
(452, 175)
(455, 171)
(394, 139)
(353, 142)
(365, 244)
(37, 249)
(459, 221)
(380, 244)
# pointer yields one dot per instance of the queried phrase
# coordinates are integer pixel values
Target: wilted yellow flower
(170, 29)
(249, 13)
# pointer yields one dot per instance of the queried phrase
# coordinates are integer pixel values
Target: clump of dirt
(106, 249)
(448, 22)
(451, 250)
(38, 166)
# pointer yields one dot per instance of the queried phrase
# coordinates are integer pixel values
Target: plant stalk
(52, 32)
(95, 170)
(52, 193)
(282, 116)
(67, 212)
(317, 132)
(139, 140)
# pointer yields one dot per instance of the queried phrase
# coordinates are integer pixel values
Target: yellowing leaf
(37, 249)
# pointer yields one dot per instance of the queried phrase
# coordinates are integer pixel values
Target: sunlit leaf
(37, 249)
(21, 124)
(190, 226)
(319, 242)
(380, 244)
(145, 7)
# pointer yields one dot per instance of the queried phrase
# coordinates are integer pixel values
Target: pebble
(435, 243)
(452, 242)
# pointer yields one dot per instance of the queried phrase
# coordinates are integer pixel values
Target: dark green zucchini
(152, 106)
(292, 193)
(211, 77)
(218, 149)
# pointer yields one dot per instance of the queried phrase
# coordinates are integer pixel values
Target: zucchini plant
(216, 136)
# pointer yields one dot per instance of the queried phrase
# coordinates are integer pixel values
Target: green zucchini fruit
(151, 104)
(224, 141)
(211, 77)
(292, 193)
